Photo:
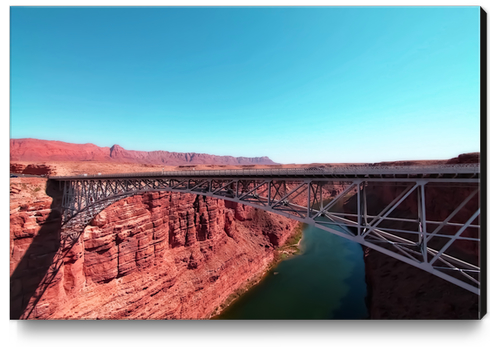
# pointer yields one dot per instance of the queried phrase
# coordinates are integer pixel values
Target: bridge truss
(428, 217)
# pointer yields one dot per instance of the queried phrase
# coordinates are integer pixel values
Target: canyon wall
(42, 150)
(152, 256)
(397, 290)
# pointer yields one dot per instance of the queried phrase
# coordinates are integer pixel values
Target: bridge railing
(339, 170)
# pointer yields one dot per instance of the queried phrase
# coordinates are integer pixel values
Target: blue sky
(299, 85)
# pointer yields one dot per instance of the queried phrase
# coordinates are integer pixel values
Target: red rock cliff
(153, 256)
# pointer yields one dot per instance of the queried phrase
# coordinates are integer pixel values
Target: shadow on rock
(32, 275)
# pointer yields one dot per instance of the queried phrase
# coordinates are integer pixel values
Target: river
(325, 281)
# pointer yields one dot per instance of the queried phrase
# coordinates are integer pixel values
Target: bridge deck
(385, 172)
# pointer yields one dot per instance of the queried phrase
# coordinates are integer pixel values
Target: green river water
(325, 281)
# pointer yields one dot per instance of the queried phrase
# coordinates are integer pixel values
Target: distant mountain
(44, 150)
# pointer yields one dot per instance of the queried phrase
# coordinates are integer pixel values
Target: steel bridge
(426, 216)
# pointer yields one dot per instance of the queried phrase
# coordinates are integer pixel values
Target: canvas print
(226, 163)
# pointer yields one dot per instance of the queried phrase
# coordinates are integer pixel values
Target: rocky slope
(153, 256)
(42, 150)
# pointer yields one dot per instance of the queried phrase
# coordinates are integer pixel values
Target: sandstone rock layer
(153, 256)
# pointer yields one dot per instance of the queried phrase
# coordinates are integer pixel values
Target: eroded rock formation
(32, 169)
(153, 256)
